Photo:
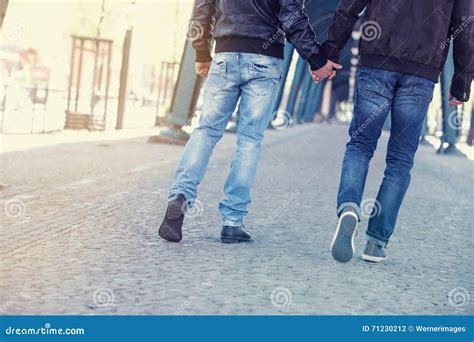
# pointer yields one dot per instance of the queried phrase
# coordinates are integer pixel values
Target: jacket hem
(250, 45)
(399, 65)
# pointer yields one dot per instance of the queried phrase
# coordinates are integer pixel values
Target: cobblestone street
(80, 233)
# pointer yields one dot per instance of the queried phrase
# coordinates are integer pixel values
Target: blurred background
(101, 65)
(52, 48)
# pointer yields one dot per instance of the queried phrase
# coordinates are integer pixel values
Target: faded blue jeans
(379, 92)
(255, 80)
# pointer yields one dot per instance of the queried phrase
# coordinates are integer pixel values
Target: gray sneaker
(342, 245)
(374, 252)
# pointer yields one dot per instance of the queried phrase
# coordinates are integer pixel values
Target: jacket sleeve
(345, 17)
(201, 27)
(462, 34)
(297, 28)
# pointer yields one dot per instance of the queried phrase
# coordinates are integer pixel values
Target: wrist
(460, 88)
(317, 61)
(203, 56)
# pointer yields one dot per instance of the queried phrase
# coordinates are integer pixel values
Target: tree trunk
(3, 10)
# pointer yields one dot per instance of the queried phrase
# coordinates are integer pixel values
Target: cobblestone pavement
(80, 234)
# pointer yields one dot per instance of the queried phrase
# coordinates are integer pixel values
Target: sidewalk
(80, 233)
(22, 142)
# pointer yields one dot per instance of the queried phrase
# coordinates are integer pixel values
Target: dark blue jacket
(409, 36)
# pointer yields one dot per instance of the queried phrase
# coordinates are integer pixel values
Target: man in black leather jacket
(254, 26)
(246, 70)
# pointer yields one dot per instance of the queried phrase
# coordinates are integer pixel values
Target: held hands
(202, 69)
(327, 71)
(453, 101)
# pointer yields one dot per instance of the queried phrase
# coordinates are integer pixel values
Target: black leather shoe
(235, 234)
(171, 228)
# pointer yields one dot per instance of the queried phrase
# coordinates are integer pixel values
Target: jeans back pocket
(217, 77)
(264, 77)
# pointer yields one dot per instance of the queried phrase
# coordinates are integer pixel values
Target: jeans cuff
(172, 197)
(376, 240)
(231, 223)
(189, 201)
(352, 205)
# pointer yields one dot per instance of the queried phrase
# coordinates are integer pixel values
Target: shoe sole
(234, 240)
(371, 258)
(342, 245)
(168, 232)
(175, 210)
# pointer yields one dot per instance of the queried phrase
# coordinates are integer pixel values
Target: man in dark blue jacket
(403, 48)
(249, 37)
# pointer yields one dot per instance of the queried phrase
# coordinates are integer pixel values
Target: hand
(325, 72)
(202, 69)
(453, 101)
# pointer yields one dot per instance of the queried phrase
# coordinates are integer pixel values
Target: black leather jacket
(409, 36)
(255, 26)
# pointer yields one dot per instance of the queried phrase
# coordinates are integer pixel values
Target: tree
(3, 10)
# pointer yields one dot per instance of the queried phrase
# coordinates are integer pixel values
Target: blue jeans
(255, 80)
(379, 92)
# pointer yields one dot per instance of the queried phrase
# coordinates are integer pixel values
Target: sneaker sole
(371, 258)
(175, 210)
(167, 231)
(342, 247)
